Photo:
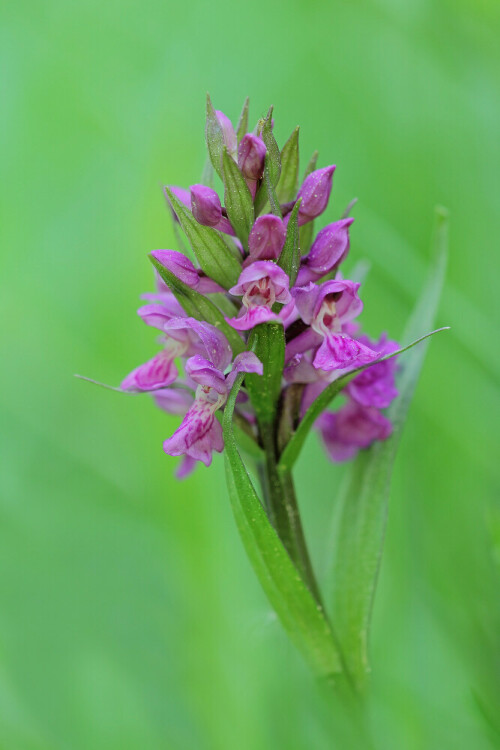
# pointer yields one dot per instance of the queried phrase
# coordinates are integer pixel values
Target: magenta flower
(227, 132)
(251, 155)
(205, 205)
(261, 285)
(266, 238)
(327, 308)
(376, 385)
(328, 250)
(351, 428)
(185, 337)
(184, 269)
(200, 433)
(315, 192)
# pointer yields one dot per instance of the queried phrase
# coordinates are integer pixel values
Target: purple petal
(252, 317)
(186, 467)
(156, 373)
(205, 373)
(244, 362)
(267, 238)
(179, 265)
(328, 250)
(199, 434)
(214, 342)
(339, 351)
(251, 155)
(206, 205)
(263, 269)
(173, 400)
(227, 131)
(351, 428)
(315, 192)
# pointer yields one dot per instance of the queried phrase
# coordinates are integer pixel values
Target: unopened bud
(315, 192)
(205, 205)
(266, 238)
(251, 155)
(228, 133)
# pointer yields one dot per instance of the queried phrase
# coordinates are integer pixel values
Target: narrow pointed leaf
(266, 199)
(199, 307)
(214, 137)
(242, 128)
(289, 259)
(289, 179)
(311, 165)
(293, 448)
(306, 232)
(267, 340)
(212, 254)
(304, 622)
(361, 509)
(237, 198)
(273, 151)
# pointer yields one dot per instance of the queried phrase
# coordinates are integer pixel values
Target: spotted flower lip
(261, 285)
(351, 428)
(327, 308)
(200, 432)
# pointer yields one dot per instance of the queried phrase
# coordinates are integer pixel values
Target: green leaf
(211, 252)
(199, 307)
(214, 137)
(237, 198)
(289, 259)
(293, 448)
(361, 509)
(242, 128)
(273, 152)
(267, 340)
(304, 622)
(289, 179)
(306, 232)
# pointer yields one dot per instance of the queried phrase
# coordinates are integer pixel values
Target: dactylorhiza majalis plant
(259, 333)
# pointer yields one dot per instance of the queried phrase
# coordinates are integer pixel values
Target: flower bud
(179, 265)
(266, 238)
(328, 250)
(227, 131)
(251, 155)
(315, 192)
(205, 205)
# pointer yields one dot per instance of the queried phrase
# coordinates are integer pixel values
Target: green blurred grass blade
(242, 127)
(212, 254)
(361, 509)
(289, 259)
(292, 450)
(237, 198)
(305, 624)
(289, 179)
(198, 306)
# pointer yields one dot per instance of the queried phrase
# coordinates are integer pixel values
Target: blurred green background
(129, 615)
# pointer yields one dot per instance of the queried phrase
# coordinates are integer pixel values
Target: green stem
(283, 511)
